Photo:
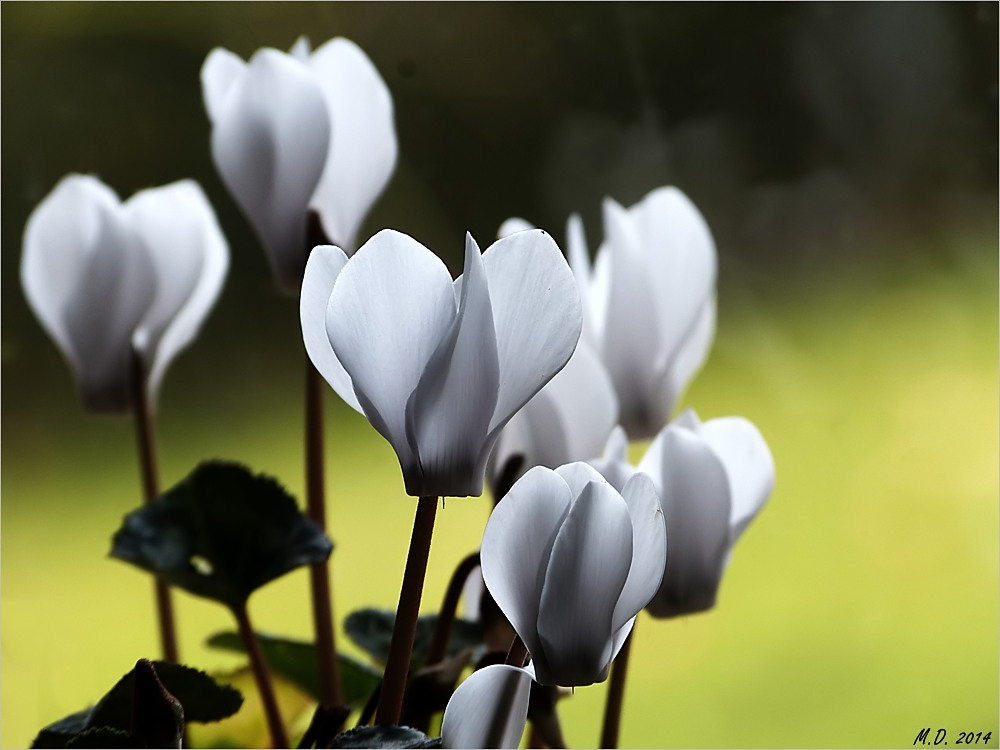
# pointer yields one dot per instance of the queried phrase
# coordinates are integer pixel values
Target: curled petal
(269, 142)
(690, 356)
(748, 463)
(536, 313)
(450, 410)
(390, 308)
(633, 335)
(588, 567)
(191, 257)
(218, 73)
(489, 709)
(649, 548)
(516, 547)
(579, 262)
(694, 495)
(613, 464)
(578, 475)
(512, 225)
(363, 148)
(324, 265)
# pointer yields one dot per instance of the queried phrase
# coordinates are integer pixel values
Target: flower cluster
(518, 372)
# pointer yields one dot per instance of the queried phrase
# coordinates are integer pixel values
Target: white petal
(516, 546)
(749, 466)
(301, 49)
(691, 355)
(363, 148)
(649, 548)
(613, 464)
(391, 306)
(324, 265)
(218, 73)
(536, 313)
(90, 281)
(589, 565)
(681, 256)
(191, 257)
(694, 495)
(512, 225)
(579, 262)
(489, 709)
(633, 336)
(449, 413)
(578, 475)
(269, 143)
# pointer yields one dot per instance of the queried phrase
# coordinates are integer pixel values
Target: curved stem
(146, 442)
(397, 664)
(319, 574)
(262, 677)
(446, 617)
(616, 692)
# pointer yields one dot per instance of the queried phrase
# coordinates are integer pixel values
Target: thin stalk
(319, 574)
(397, 663)
(518, 652)
(616, 692)
(262, 677)
(446, 617)
(146, 442)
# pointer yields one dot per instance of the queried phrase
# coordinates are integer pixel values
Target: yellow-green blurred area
(845, 158)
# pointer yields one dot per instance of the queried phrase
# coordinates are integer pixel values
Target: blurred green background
(845, 157)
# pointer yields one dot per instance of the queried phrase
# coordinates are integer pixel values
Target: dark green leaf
(387, 737)
(203, 700)
(103, 737)
(296, 661)
(371, 630)
(221, 533)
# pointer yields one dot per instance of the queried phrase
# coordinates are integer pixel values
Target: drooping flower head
(440, 366)
(713, 479)
(567, 420)
(298, 132)
(107, 278)
(570, 561)
(649, 301)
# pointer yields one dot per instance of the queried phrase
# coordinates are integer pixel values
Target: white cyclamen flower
(713, 478)
(440, 366)
(105, 278)
(298, 132)
(649, 301)
(571, 562)
(568, 420)
(489, 709)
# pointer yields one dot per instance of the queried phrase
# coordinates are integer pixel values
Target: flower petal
(694, 495)
(649, 548)
(269, 142)
(681, 257)
(749, 465)
(579, 263)
(489, 709)
(191, 257)
(449, 412)
(512, 225)
(363, 149)
(578, 475)
(536, 313)
(516, 546)
(218, 73)
(90, 280)
(391, 306)
(588, 566)
(324, 265)
(690, 356)
(633, 335)
(613, 465)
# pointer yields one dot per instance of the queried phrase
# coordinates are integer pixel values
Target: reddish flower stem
(446, 617)
(616, 693)
(403, 632)
(262, 676)
(319, 573)
(146, 443)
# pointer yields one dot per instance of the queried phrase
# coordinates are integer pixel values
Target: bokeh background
(845, 156)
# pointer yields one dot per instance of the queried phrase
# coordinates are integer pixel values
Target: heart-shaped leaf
(386, 737)
(221, 533)
(296, 662)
